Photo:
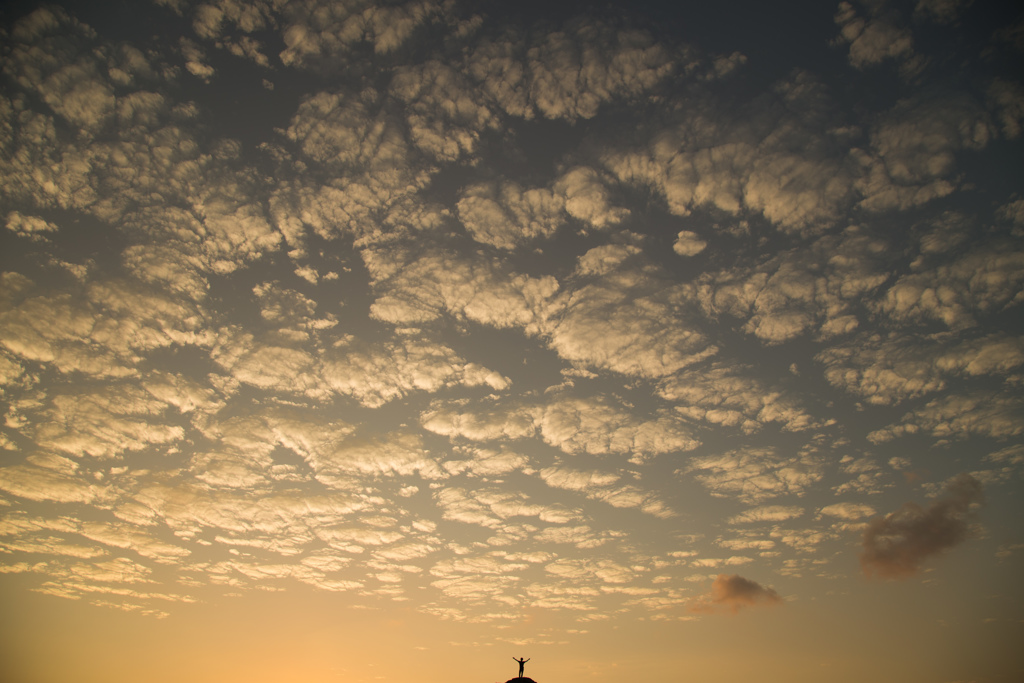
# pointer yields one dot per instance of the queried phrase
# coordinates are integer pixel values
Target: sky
(390, 340)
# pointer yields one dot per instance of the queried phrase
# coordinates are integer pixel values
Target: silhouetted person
(521, 663)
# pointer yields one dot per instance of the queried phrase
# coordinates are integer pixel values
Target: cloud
(607, 571)
(418, 287)
(896, 545)
(104, 95)
(574, 71)
(290, 309)
(213, 21)
(574, 425)
(1007, 99)
(560, 596)
(767, 513)
(874, 40)
(754, 475)
(490, 507)
(505, 215)
(105, 423)
(731, 592)
(275, 366)
(913, 150)
(131, 538)
(51, 546)
(237, 229)
(102, 331)
(375, 203)
(76, 90)
(941, 11)
(815, 287)
(474, 590)
(688, 243)
(32, 227)
(317, 31)
(724, 65)
(1012, 213)
(608, 318)
(283, 521)
(173, 267)
(375, 375)
(848, 511)
(211, 18)
(44, 484)
(195, 60)
(576, 480)
(596, 426)
(620, 314)
(493, 563)
(776, 155)
(587, 198)
(184, 394)
(349, 131)
(1009, 456)
(569, 73)
(391, 455)
(230, 469)
(443, 112)
(958, 292)
(867, 475)
(480, 424)
(724, 395)
(603, 486)
(804, 540)
(888, 370)
(957, 416)
(485, 462)
(312, 570)
(582, 536)
(746, 543)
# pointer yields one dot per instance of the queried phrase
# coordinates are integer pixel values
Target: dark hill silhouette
(521, 679)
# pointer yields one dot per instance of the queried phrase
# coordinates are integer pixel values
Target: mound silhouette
(521, 679)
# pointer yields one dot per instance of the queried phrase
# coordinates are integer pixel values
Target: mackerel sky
(355, 340)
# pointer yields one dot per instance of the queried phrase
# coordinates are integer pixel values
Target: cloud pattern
(455, 316)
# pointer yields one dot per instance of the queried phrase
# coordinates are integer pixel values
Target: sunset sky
(653, 341)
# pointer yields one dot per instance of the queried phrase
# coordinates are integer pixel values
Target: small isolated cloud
(896, 545)
(848, 511)
(767, 513)
(32, 227)
(731, 592)
(688, 243)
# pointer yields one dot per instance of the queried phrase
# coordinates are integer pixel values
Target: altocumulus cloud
(452, 303)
